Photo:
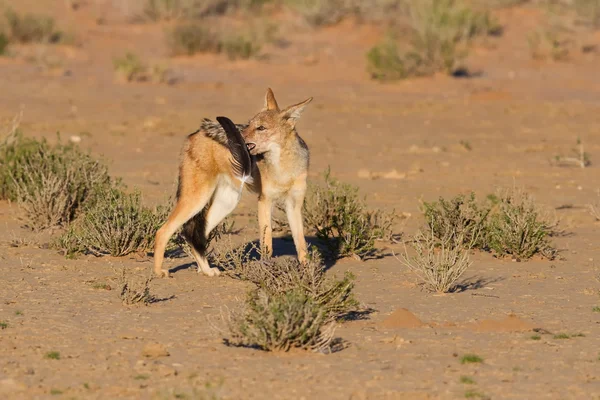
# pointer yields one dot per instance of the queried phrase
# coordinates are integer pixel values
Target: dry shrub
(134, 290)
(595, 208)
(31, 28)
(294, 305)
(50, 182)
(280, 322)
(510, 223)
(130, 68)
(160, 10)
(116, 223)
(193, 37)
(520, 228)
(342, 221)
(441, 34)
(460, 220)
(439, 264)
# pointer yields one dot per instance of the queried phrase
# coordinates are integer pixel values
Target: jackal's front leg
(293, 209)
(265, 208)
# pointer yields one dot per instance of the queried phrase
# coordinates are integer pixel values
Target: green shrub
(31, 28)
(115, 223)
(294, 305)
(441, 34)
(240, 47)
(130, 68)
(438, 263)
(517, 227)
(190, 38)
(281, 321)
(342, 221)
(384, 62)
(459, 217)
(49, 182)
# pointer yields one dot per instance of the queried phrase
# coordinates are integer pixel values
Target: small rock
(75, 139)
(155, 350)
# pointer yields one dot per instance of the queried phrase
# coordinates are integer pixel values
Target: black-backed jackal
(215, 166)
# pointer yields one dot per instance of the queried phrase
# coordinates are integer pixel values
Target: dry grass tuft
(134, 290)
(115, 223)
(50, 182)
(439, 264)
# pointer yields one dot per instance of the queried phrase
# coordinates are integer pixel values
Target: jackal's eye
(261, 128)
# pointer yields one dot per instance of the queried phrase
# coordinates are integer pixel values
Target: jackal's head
(271, 127)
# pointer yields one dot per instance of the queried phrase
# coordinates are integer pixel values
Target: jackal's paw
(163, 273)
(210, 272)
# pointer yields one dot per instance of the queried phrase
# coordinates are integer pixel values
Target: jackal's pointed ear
(292, 113)
(270, 102)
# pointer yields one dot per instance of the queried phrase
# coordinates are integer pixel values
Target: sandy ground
(517, 116)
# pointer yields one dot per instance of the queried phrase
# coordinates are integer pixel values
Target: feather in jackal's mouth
(250, 146)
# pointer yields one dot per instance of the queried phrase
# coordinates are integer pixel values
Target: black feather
(241, 161)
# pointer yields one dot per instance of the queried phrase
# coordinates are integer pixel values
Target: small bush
(518, 228)
(115, 223)
(280, 275)
(240, 47)
(130, 68)
(459, 217)
(135, 290)
(470, 359)
(31, 28)
(50, 182)
(52, 355)
(280, 322)
(384, 62)
(160, 10)
(3, 325)
(342, 221)
(190, 38)
(438, 263)
(441, 34)
(294, 305)
(549, 44)
(589, 11)
(320, 13)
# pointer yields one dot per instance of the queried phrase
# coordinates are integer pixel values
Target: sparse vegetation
(579, 158)
(518, 227)
(3, 325)
(31, 28)
(473, 394)
(56, 392)
(280, 322)
(52, 355)
(50, 182)
(135, 290)
(130, 68)
(241, 46)
(191, 37)
(141, 377)
(470, 359)
(562, 336)
(438, 263)
(596, 309)
(510, 223)
(441, 34)
(467, 380)
(115, 223)
(342, 221)
(536, 337)
(460, 217)
(294, 305)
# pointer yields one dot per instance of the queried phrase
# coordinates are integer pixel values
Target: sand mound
(402, 318)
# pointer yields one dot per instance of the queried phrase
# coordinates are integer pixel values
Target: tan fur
(205, 170)
(282, 169)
